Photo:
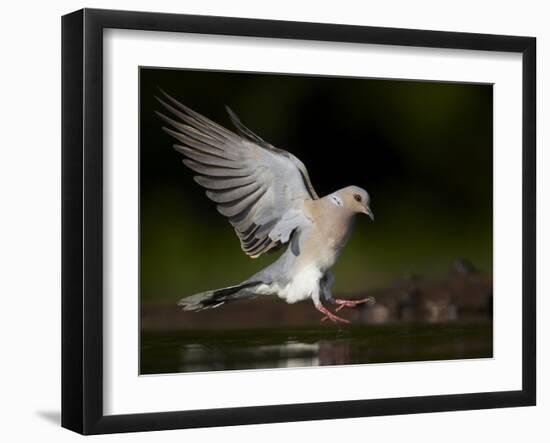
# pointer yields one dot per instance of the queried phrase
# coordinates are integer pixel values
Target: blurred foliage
(423, 150)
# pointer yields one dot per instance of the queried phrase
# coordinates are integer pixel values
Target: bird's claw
(335, 319)
(350, 303)
(330, 316)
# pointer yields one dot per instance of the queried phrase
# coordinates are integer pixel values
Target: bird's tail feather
(217, 297)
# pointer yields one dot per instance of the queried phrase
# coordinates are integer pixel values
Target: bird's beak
(367, 210)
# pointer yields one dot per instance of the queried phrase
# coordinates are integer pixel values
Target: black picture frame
(82, 219)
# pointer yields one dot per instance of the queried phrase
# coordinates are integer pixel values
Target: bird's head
(355, 199)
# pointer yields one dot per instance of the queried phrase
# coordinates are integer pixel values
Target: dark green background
(423, 150)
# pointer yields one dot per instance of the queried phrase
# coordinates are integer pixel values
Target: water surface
(198, 351)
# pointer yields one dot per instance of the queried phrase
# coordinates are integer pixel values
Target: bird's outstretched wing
(259, 188)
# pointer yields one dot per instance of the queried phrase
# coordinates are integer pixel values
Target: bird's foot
(350, 303)
(329, 315)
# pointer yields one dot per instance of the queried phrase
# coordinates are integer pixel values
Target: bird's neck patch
(336, 200)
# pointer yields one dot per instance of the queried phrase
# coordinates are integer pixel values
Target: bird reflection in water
(291, 354)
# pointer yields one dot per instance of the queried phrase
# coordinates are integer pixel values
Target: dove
(267, 196)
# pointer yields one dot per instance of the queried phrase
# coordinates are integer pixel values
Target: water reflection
(274, 348)
(291, 354)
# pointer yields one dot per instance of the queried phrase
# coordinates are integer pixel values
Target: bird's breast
(325, 244)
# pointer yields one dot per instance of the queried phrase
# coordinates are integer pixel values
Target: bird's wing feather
(259, 188)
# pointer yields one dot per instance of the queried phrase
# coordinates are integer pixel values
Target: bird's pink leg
(350, 303)
(329, 315)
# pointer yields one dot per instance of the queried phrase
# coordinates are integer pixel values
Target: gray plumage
(268, 198)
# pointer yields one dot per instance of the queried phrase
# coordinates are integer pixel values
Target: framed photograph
(269, 221)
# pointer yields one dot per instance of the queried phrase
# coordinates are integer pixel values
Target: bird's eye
(357, 197)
